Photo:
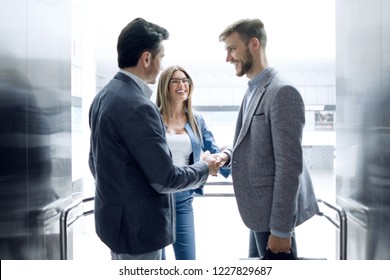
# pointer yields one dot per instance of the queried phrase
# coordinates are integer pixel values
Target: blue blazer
(206, 144)
(134, 171)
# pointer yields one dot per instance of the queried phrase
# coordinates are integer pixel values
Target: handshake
(215, 161)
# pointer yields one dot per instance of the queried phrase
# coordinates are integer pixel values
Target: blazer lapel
(238, 125)
(243, 122)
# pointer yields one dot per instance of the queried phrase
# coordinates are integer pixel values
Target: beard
(246, 64)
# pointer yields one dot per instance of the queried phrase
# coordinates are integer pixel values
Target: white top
(181, 149)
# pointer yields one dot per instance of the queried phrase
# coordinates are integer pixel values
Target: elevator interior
(36, 99)
(35, 126)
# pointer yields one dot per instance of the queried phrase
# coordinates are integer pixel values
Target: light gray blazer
(272, 184)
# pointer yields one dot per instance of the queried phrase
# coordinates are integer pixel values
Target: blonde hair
(162, 99)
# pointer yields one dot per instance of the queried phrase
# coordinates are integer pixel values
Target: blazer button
(234, 161)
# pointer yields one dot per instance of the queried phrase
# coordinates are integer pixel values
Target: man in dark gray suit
(129, 156)
(271, 181)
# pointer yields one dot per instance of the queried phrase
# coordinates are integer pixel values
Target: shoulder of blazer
(269, 76)
(199, 119)
(124, 78)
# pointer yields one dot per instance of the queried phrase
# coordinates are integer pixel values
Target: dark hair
(247, 29)
(137, 37)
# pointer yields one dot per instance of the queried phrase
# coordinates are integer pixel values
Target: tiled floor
(220, 233)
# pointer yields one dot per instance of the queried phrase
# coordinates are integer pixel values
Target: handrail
(64, 224)
(341, 225)
(218, 195)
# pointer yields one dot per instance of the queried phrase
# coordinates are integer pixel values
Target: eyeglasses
(176, 82)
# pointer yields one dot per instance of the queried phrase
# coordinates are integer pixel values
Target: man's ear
(146, 58)
(254, 43)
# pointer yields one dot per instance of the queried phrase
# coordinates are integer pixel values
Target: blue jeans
(258, 242)
(184, 246)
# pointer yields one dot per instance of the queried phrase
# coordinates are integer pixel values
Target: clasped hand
(214, 161)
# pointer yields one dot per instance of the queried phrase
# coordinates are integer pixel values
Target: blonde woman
(187, 136)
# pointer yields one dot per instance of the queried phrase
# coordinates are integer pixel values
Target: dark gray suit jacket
(272, 184)
(134, 172)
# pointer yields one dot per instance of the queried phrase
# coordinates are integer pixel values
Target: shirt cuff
(229, 153)
(281, 234)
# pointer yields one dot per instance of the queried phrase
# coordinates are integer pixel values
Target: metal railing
(340, 224)
(65, 223)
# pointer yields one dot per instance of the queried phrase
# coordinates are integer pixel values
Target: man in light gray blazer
(272, 184)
